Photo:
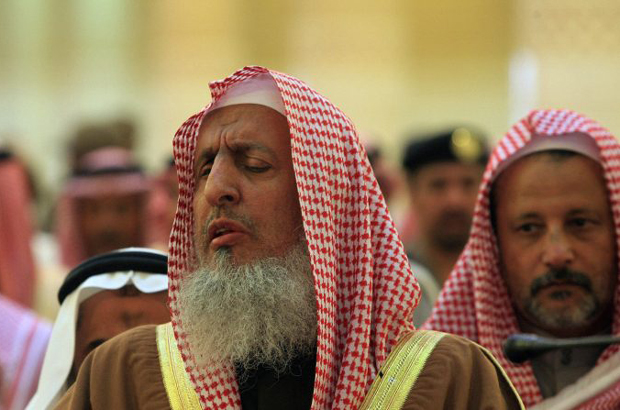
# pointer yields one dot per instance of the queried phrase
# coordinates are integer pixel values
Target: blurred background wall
(393, 66)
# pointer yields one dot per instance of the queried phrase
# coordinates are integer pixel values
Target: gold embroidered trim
(181, 393)
(401, 370)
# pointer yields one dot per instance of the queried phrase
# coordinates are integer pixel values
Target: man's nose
(558, 252)
(456, 197)
(222, 186)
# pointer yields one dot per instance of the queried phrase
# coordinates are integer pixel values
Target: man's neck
(263, 388)
(438, 260)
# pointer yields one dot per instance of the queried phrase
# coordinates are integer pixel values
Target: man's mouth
(225, 232)
(221, 232)
(561, 291)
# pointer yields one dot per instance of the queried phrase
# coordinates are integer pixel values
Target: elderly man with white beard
(289, 288)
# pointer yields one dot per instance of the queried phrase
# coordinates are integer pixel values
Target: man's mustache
(556, 276)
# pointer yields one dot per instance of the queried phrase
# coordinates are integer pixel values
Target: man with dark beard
(289, 288)
(542, 258)
(443, 172)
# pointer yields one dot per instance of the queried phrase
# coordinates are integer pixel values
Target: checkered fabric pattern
(23, 340)
(365, 290)
(17, 265)
(474, 302)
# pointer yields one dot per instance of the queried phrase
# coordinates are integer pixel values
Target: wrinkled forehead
(241, 118)
(248, 130)
(259, 90)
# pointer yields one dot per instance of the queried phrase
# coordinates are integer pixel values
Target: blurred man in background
(23, 336)
(162, 206)
(103, 206)
(387, 177)
(100, 208)
(23, 339)
(443, 173)
(100, 298)
(17, 268)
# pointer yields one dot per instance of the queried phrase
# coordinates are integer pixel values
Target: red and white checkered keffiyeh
(23, 340)
(474, 302)
(17, 268)
(365, 290)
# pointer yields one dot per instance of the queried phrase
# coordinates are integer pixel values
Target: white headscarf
(60, 351)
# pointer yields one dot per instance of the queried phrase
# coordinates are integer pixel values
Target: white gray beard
(263, 313)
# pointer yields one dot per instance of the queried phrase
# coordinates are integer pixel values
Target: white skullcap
(577, 142)
(261, 90)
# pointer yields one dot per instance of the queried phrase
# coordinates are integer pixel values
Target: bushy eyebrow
(528, 215)
(245, 146)
(572, 212)
(581, 211)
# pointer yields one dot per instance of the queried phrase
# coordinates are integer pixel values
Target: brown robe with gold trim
(124, 374)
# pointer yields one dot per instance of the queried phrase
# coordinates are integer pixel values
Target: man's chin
(237, 256)
(233, 255)
(563, 317)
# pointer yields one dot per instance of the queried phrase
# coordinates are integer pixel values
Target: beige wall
(576, 48)
(392, 66)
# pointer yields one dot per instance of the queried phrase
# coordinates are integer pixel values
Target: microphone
(523, 346)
